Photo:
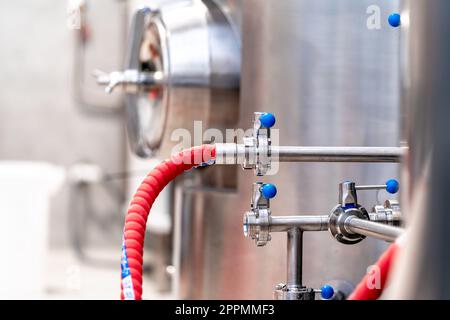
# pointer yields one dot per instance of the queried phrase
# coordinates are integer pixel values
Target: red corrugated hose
(139, 209)
(364, 290)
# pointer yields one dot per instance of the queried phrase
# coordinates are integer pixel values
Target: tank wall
(331, 82)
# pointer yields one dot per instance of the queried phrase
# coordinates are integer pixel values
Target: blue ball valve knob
(395, 20)
(267, 120)
(269, 191)
(327, 292)
(392, 186)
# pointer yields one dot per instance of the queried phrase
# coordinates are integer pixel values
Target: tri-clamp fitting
(255, 152)
(259, 222)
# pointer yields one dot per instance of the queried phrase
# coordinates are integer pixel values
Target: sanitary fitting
(389, 213)
(284, 292)
(255, 152)
(257, 222)
(350, 222)
(338, 218)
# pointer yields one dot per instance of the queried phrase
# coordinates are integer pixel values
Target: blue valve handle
(395, 20)
(327, 292)
(267, 120)
(269, 191)
(392, 186)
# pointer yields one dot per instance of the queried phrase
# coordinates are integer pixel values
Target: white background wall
(39, 119)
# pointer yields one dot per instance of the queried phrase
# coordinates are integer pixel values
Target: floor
(67, 278)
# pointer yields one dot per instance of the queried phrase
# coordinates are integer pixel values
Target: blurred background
(64, 173)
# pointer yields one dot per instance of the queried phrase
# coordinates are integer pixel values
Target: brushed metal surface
(330, 81)
(422, 272)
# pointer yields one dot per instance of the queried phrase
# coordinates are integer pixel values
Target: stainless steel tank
(182, 66)
(421, 271)
(331, 81)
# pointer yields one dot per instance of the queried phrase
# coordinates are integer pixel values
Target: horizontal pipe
(303, 223)
(231, 153)
(336, 154)
(371, 187)
(372, 229)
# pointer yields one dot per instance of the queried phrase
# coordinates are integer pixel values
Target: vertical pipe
(294, 257)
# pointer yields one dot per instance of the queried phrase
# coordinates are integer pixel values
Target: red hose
(139, 209)
(363, 290)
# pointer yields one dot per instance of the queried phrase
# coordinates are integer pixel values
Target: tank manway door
(177, 56)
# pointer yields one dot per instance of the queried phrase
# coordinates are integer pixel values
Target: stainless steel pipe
(303, 223)
(337, 154)
(232, 153)
(371, 187)
(294, 257)
(372, 229)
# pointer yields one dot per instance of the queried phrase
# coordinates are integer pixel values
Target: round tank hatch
(147, 107)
